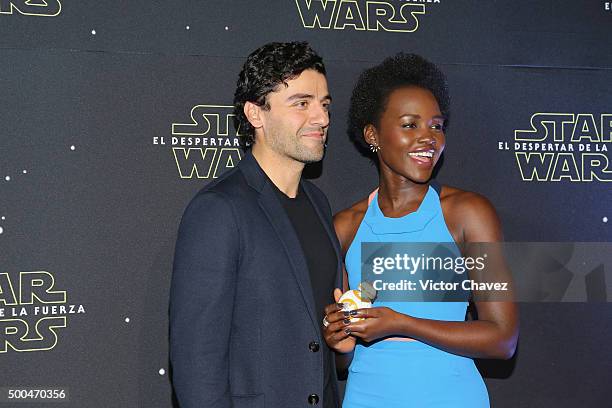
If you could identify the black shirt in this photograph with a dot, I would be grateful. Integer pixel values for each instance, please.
(322, 266)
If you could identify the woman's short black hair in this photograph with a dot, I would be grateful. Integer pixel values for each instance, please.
(371, 93)
(265, 68)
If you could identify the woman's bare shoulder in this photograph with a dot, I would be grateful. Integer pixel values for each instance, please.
(468, 213)
(346, 222)
(463, 200)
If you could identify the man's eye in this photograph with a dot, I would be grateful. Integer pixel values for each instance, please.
(301, 104)
(326, 106)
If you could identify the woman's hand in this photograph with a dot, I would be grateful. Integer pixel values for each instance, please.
(337, 333)
(378, 322)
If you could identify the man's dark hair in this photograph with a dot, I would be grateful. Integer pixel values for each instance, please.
(264, 70)
(371, 93)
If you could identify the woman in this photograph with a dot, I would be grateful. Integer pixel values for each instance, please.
(413, 354)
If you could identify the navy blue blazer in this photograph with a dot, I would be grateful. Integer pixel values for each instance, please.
(242, 312)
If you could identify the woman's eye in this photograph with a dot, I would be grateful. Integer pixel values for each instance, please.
(409, 125)
(438, 126)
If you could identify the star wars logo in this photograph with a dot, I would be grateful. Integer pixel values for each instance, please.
(368, 15)
(564, 146)
(32, 311)
(41, 8)
(207, 146)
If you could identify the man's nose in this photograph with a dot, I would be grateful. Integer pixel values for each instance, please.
(319, 115)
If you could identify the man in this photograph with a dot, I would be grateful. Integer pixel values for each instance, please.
(256, 257)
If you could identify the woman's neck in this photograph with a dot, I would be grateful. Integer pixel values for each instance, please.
(398, 195)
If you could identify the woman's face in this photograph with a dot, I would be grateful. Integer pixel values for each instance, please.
(410, 134)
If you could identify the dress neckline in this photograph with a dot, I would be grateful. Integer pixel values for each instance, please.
(414, 221)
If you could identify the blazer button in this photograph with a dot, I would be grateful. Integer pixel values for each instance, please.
(313, 346)
(313, 399)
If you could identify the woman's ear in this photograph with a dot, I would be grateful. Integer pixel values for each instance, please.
(370, 135)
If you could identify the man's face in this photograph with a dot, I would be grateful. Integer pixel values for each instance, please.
(296, 124)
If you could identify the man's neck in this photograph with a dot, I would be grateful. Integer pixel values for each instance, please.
(284, 172)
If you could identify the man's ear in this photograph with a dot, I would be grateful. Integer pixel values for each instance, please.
(253, 114)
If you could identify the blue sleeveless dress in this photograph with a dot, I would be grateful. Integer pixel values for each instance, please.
(394, 374)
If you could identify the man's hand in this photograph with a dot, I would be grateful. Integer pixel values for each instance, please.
(337, 333)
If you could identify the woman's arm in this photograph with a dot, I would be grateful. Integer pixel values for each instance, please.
(493, 335)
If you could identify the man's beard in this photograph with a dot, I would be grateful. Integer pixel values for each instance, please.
(308, 155)
(292, 148)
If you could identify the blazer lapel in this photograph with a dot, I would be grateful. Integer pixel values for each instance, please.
(286, 233)
(277, 216)
(331, 233)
